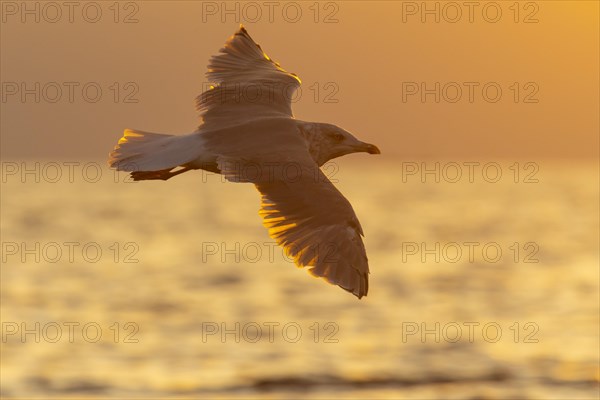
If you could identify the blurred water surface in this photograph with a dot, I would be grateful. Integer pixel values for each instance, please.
(205, 264)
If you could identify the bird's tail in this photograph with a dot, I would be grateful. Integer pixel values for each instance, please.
(152, 155)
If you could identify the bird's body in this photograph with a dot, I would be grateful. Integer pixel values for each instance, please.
(248, 134)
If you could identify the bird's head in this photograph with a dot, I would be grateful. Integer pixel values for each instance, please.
(327, 141)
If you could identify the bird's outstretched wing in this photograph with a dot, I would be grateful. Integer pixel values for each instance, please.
(309, 218)
(317, 226)
(247, 85)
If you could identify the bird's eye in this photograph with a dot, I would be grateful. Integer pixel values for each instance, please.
(338, 137)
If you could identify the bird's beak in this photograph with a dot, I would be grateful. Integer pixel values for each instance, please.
(369, 148)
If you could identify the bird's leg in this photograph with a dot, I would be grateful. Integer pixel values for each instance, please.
(157, 175)
(175, 173)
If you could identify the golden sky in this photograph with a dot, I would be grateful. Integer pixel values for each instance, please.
(374, 68)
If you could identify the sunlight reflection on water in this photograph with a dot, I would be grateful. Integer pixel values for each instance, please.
(216, 310)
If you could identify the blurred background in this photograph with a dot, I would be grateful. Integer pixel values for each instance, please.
(481, 216)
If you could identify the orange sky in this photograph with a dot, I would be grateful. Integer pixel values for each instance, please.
(372, 58)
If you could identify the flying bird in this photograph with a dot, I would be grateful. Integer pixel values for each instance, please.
(249, 134)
